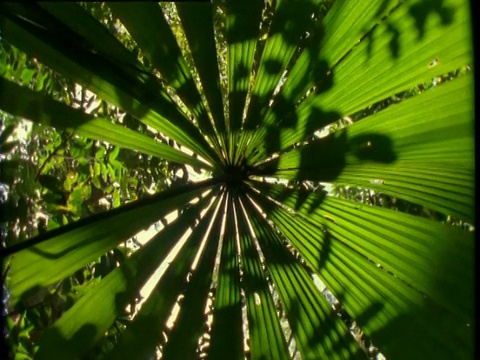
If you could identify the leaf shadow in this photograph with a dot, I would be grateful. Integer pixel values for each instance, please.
(53, 341)
(324, 159)
(420, 12)
(296, 310)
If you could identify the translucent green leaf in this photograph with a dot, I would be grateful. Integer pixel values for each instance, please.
(265, 331)
(385, 306)
(415, 43)
(62, 251)
(291, 22)
(113, 294)
(43, 109)
(226, 334)
(242, 31)
(113, 155)
(151, 319)
(257, 273)
(148, 27)
(189, 325)
(334, 36)
(116, 80)
(198, 25)
(419, 150)
(318, 332)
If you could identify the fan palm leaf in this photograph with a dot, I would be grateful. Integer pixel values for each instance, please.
(252, 243)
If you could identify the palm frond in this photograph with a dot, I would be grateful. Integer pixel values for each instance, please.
(255, 254)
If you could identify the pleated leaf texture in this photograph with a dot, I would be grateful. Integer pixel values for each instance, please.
(255, 238)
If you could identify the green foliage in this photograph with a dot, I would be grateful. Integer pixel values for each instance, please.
(332, 218)
(55, 177)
